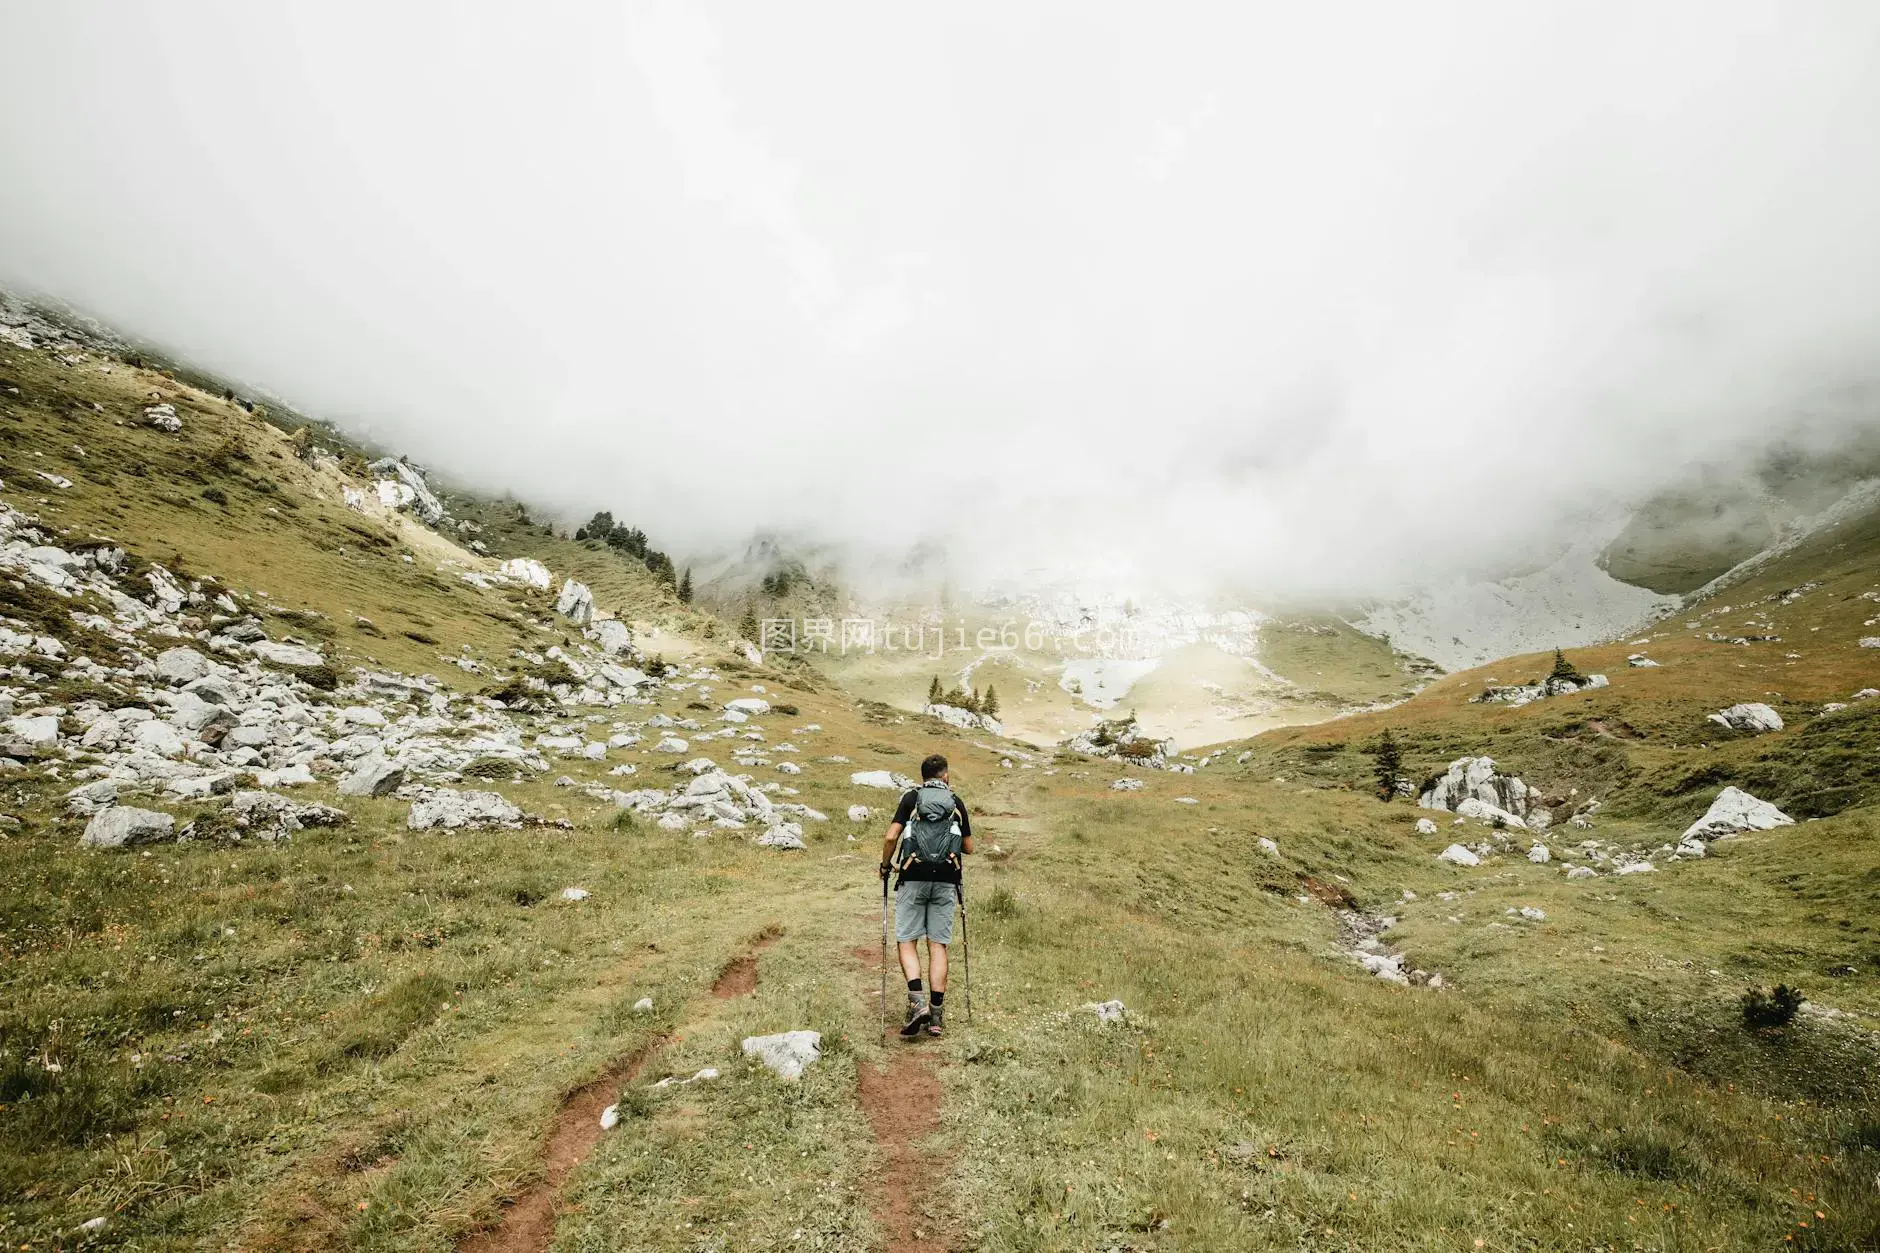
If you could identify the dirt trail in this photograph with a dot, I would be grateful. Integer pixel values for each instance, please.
(528, 1224)
(902, 1102)
(740, 977)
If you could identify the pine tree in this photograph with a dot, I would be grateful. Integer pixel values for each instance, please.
(747, 625)
(1564, 669)
(1389, 762)
(990, 705)
(685, 587)
(935, 693)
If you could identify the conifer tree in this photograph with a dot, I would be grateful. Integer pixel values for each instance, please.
(935, 693)
(747, 625)
(989, 705)
(1564, 669)
(1388, 758)
(685, 587)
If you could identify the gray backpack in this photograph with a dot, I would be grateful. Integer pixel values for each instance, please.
(932, 836)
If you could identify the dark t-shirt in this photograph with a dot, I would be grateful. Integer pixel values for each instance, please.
(905, 811)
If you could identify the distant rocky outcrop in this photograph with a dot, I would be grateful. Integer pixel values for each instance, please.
(964, 719)
(1474, 779)
(407, 490)
(1123, 740)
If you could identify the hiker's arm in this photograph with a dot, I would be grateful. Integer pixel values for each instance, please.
(887, 845)
(966, 831)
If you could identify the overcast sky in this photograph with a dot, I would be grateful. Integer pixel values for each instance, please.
(1301, 295)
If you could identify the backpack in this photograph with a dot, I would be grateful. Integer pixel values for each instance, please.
(932, 835)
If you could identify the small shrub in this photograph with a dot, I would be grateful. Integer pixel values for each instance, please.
(788, 711)
(1763, 1010)
(489, 768)
(1001, 904)
(420, 637)
(215, 496)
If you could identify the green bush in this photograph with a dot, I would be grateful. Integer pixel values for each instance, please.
(1775, 1008)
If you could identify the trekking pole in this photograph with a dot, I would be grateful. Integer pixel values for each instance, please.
(884, 957)
(966, 953)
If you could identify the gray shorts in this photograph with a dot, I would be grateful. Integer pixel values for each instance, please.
(923, 907)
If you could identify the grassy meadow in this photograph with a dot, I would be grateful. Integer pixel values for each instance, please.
(360, 1039)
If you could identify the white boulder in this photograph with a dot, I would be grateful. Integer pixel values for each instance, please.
(881, 779)
(576, 603)
(40, 730)
(1539, 855)
(527, 570)
(1475, 778)
(285, 654)
(1108, 1011)
(453, 810)
(1735, 810)
(1753, 717)
(1426, 826)
(121, 826)
(858, 813)
(788, 1053)
(163, 418)
(375, 776)
(1481, 810)
(181, 665)
(1457, 855)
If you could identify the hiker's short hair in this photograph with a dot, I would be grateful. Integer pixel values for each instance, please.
(933, 767)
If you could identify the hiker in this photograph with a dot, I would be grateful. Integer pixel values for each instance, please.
(923, 846)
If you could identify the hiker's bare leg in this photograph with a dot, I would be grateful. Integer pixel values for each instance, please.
(910, 959)
(937, 966)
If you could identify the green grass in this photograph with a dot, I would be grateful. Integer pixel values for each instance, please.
(359, 1039)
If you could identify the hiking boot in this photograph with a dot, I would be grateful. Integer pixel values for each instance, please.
(918, 1015)
(933, 1020)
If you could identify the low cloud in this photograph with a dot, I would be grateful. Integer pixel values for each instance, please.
(1300, 303)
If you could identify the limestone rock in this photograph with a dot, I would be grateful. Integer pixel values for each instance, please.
(453, 810)
(1752, 717)
(527, 570)
(881, 779)
(1458, 855)
(178, 666)
(39, 731)
(1108, 1011)
(1735, 810)
(787, 1054)
(785, 835)
(750, 706)
(576, 603)
(163, 418)
(1426, 827)
(1539, 855)
(121, 826)
(1476, 777)
(858, 813)
(613, 636)
(294, 655)
(375, 776)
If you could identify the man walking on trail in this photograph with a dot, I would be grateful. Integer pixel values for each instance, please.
(924, 844)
